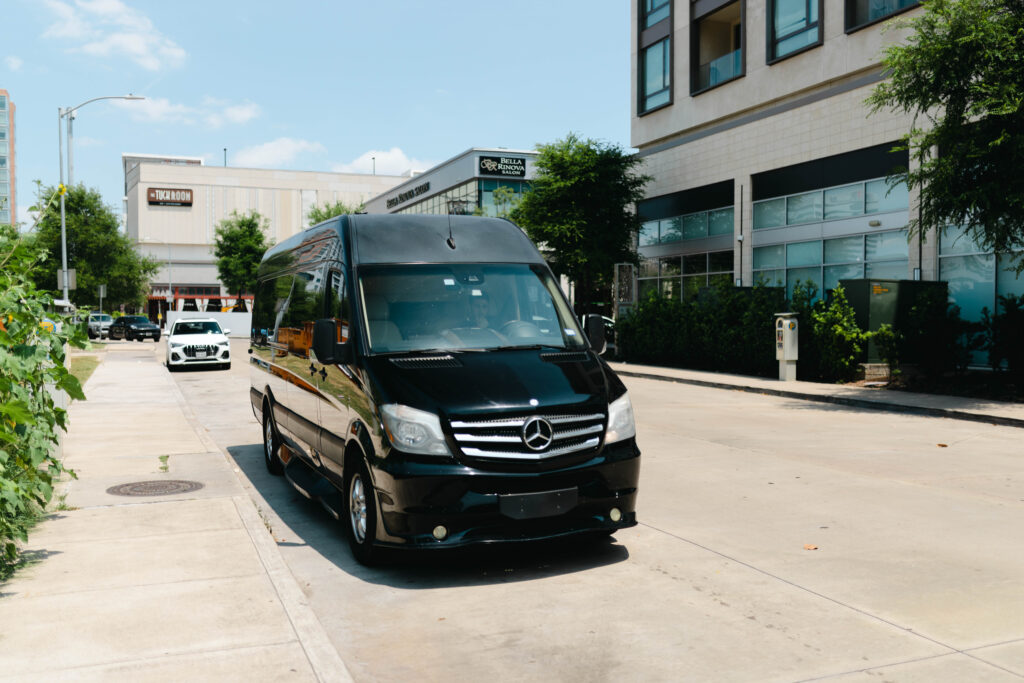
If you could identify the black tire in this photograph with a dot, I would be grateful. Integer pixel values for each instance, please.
(225, 366)
(156, 338)
(271, 443)
(172, 368)
(361, 512)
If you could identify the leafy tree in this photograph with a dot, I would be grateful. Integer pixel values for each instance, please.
(961, 74)
(580, 208)
(239, 245)
(31, 356)
(96, 248)
(318, 214)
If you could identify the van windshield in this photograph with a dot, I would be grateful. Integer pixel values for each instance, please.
(464, 307)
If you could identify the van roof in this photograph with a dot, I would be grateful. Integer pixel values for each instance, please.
(423, 238)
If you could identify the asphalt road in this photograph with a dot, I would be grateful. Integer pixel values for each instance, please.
(779, 540)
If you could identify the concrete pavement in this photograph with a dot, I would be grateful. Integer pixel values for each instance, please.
(179, 586)
(192, 584)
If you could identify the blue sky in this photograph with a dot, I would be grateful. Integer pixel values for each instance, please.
(308, 85)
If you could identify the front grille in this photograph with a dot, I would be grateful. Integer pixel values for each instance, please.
(421, 362)
(565, 357)
(190, 351)
(501, 438)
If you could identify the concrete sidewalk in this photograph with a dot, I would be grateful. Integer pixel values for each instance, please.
(178, 586)
(935, 405)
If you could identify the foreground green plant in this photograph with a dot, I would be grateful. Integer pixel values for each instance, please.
(31, 358)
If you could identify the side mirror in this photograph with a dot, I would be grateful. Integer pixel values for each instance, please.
(594, 327)
(226, 331)
(326, 347)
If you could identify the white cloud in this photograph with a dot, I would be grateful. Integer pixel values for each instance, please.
(219, 112)
(109, 28)
(390, 162)
(212, 112)
(278, 153)
(13, 63)
(158, 109)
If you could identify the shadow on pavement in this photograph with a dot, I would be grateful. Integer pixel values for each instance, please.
(470, 566)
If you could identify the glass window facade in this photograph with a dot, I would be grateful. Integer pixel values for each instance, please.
(655, 11)
(863, 12)
(691, 226)
(656, 75)
(794, 26)
(683, 276)
(473, 197)
(847, 201)
(717, 40)
(824, 263)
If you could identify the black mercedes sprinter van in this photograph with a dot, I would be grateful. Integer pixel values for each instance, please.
(424, 378)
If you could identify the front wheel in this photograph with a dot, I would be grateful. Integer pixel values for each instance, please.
(362, 513)
(271, 443)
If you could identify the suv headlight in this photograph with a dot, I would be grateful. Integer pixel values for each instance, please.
(413, 431)
(176, 345)
(620, 420)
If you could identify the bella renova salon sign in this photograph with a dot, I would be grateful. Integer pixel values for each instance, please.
(169, 197)
(508, 167)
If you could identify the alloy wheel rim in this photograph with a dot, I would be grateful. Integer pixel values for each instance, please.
(268, 440)
(357, 508)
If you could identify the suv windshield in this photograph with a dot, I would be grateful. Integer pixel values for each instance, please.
(100, 318)
(131, 319)
(464, 306)
(196, 327)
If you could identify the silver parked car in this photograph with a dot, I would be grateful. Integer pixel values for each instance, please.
(99, 325)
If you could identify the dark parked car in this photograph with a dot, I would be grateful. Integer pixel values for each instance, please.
(135, 327)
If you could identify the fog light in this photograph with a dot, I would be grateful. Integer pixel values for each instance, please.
(615, 514)
(440, 533)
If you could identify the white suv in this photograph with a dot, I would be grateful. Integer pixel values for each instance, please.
(197, 341)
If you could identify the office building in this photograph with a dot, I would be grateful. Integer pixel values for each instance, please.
(464, 184)
(8, 205)
(173, 206)
(767, 164)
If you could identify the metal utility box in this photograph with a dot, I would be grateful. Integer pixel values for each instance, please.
(877, 302)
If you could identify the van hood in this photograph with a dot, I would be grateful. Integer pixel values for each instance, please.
(474, 383)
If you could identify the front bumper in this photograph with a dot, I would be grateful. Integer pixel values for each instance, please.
(178, 357)
(478, 506)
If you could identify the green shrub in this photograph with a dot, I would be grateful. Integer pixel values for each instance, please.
(724, 329)
(888, 341)
(1005, 343)
(31, 356)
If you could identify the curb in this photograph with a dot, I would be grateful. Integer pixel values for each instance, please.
(837, 400)
(323, 657)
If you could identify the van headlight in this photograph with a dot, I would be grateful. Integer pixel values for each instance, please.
(620, 420)
(413, 431)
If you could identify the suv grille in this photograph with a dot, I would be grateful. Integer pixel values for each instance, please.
(529, 438)
(190, 351)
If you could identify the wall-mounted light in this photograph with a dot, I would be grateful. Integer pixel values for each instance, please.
(874, 223)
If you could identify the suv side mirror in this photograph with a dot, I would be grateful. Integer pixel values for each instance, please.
(326, 347)
(594, 327)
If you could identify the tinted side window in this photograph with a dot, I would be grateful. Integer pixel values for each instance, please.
(304, 305)
(338, 306)
(270, 303)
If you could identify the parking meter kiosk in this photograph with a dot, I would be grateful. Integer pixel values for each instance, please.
(786, 351)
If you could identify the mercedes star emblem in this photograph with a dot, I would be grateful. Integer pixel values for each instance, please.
(538, 433)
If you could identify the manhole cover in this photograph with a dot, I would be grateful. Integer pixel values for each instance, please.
(163, 487)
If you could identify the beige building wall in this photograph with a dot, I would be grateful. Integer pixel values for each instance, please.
(184, 235)
(841, 57)
(804, 107)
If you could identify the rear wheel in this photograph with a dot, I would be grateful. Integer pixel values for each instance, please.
(362, 512)
(271, 443)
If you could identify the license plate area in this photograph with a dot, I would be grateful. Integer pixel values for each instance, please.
(540, 504)
(200, 354)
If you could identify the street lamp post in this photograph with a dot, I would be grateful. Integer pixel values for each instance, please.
(69, 113)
